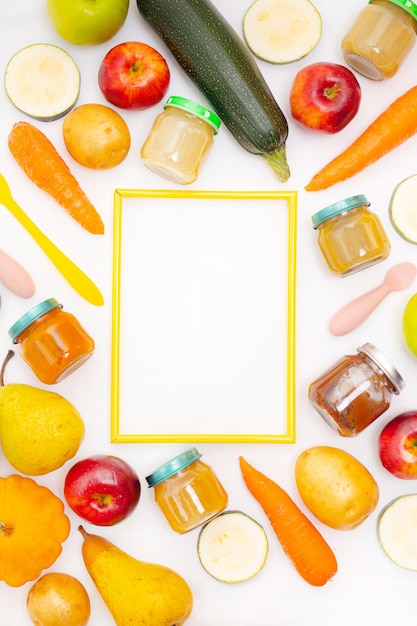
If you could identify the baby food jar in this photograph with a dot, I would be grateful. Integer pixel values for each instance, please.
(52, 342)
(356, 390)
(381, 38)
(180, 139)
(187, 491)
(350, 236)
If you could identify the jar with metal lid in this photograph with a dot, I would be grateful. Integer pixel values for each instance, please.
(187, 491)
(52, 342)
(356, 390)
(381, 38)
(180, 139)
(350, 236)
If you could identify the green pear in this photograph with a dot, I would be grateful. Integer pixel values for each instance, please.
(39, 429)
(135, 592)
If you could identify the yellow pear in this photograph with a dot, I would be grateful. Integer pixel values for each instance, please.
(39, 429)
(135, 592)
(57, 598)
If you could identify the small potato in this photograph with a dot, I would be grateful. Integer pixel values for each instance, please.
(335, 486)
(96, 136)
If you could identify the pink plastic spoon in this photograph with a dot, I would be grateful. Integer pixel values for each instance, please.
(350, 316)
(15, 277)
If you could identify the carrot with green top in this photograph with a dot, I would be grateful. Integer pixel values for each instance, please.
(301, 541)
(390, 129)
(38, 158)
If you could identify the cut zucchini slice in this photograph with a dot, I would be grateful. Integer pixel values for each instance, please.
(42, 81)
(397, 529)
(232, 547)
(403, 209)
(282, 31)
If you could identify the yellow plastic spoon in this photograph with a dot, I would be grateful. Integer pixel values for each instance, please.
(71, 272)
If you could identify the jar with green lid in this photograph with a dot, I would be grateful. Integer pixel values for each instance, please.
(381, 38)
(180, 139)
(350, 236)
(187, 491)
(52, 342)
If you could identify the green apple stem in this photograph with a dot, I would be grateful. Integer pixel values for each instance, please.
(9, 355)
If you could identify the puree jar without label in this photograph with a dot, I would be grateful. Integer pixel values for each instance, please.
(187, 491)
(381, 38)
(52, 342)
(350, 236)
(356, 390)
(179, 140)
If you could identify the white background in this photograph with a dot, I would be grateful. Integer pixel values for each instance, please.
(368, 588)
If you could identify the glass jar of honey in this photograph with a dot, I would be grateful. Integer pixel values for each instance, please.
(381, 38)
(187, 491)
(356, 390)
(52, 341)
(350, 236)
(180, 139)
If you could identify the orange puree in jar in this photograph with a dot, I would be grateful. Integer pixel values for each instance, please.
(52, 342)
(187, 491)
(381, 38)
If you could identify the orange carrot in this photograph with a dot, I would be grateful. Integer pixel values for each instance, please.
(301, 541)
(40, 161)
(390, 129)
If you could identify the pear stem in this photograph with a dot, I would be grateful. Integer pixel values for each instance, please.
(83, 532)
(3, 367)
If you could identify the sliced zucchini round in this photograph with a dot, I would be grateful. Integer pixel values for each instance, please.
(397, 530)
(42, 81)
(232, 547)
(282, 31)
(403, 209)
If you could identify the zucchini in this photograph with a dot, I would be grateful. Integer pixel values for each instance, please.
(42, 81)
(397, 531)
(232, 547)
(216, 59)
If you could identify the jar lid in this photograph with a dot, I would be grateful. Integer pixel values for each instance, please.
(408, 5)
(172, 467)
(28, 318)
(385, 365)
(196, 109)
(339, 207)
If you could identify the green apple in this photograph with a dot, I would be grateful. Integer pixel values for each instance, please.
(409, 324)
(87, 21)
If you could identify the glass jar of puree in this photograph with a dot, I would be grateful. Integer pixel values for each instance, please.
(356, 390)
(381, 38)
(187, 491)
(350, 236)
(180, 139)
(52, 342)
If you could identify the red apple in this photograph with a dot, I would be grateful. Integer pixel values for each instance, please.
(398, 445)
(133, 75)
(102, 489)
(325, 97)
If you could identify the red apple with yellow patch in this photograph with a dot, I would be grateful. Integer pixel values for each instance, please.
(397, 445)
(133, 75)
(325, 97)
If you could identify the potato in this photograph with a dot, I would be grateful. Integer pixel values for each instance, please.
(335, 486)
(96, 136)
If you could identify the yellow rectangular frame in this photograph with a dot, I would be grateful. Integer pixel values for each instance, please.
(289, 436)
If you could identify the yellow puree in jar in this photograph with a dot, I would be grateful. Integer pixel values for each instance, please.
(380, 38)
(351, 239)
(190, 497)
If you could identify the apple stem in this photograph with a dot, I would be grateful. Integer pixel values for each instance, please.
(9, 355)
(278, 161)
